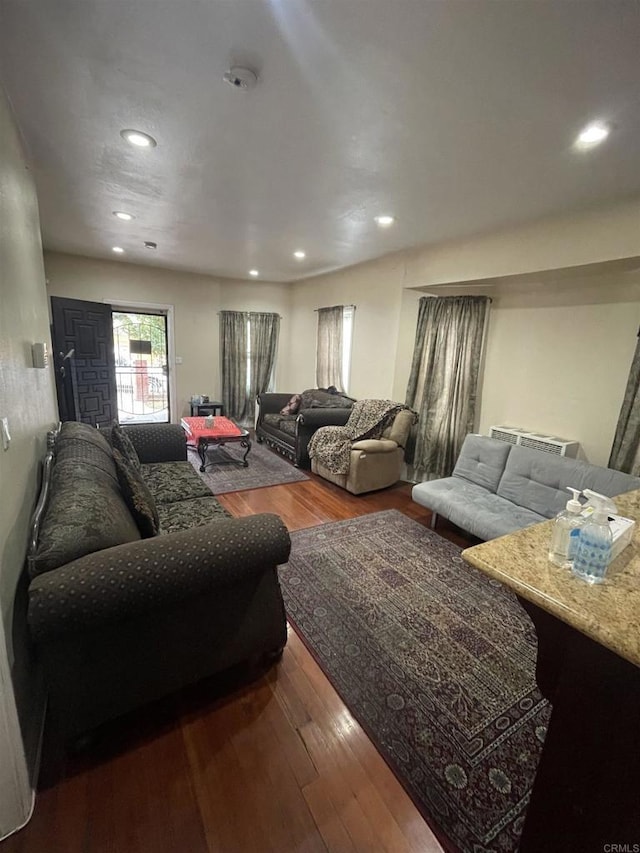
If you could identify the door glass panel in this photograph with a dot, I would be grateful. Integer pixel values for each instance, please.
(140, 344)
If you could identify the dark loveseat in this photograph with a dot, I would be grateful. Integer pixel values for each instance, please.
(120, 620)
(290, 434)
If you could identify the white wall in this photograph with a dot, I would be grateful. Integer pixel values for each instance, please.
(197, 299)
(27, 400)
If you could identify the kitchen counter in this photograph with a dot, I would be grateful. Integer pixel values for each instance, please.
(609, 612)
(587, 786)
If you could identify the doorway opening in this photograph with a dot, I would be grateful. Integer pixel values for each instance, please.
(142, 375)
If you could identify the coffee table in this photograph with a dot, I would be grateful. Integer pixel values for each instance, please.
(223, 431)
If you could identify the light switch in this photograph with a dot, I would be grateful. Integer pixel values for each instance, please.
(178, 359)
(6, 435)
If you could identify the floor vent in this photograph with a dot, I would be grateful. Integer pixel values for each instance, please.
(535, 440)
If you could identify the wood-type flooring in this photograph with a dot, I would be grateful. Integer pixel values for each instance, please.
(278, 764)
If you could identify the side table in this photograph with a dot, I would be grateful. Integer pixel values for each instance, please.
(213, 407)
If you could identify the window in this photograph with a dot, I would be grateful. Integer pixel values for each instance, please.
(333, 353)
(249, 342)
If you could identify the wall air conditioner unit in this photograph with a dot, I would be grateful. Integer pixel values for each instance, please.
(536, 440)
(505, 433)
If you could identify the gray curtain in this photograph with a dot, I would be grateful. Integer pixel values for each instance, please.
(625, 453)
(264, 332)
(233, 360)
(329, 347)
(443, 382)
(242, 334)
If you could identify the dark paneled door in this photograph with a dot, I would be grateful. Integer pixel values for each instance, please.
(84, 361)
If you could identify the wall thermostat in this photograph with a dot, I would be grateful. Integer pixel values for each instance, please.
(40, 355)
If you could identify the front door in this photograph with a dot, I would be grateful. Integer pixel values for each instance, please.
(142, 377)
(84, 361)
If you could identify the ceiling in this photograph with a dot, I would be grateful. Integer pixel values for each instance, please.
(457, 117)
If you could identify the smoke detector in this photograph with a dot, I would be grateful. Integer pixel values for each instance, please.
(241, 78)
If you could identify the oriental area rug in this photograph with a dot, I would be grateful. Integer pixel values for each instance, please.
(227, 473)
(435, 660)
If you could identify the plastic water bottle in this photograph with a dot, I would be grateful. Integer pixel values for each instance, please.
(594, 546)
(566, 532)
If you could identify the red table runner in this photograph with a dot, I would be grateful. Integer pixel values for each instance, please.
(222, 428)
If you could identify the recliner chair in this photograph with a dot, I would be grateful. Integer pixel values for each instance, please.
(375, 463)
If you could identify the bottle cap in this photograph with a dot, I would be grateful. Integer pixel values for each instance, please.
(574, 505)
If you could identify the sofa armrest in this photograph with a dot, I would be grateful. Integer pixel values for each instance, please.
(270, 403)
(158, 442)
(322, 416)
(374, 445)
(122, 582)
(308, 421)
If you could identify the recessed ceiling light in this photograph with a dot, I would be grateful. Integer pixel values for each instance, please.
(254, 273)
(126, 217)
(138, 138)
(593, 134)
(299, 254)
(118, 250)
(384, 221)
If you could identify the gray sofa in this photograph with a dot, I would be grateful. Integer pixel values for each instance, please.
(497, 488)
(290, 434)
(119, 620)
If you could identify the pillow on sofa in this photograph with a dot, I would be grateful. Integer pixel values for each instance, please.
(86, 512)
(319, 398)
(137, 496)
(292, 406)
(121, 441)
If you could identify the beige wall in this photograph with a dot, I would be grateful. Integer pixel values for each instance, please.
(557, 359)
(27, 400)
(196, 300)
(544, 326)
(605, 234)
(559, 342)
(375, 289)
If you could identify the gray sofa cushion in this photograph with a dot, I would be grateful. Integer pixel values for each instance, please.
(473, 508)
(538, 481)
(482, 461)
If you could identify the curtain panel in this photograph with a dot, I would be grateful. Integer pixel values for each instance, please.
(443, 382)
(249, 345)
(264, 332)
(625, 453)
(233, 363)
(329, 347)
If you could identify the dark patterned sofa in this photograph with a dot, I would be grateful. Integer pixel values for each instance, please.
(290, 433)
(118, 619)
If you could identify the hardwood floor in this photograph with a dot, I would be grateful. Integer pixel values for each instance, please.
(276, 765)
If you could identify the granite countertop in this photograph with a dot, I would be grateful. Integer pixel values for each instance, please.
(609, 612)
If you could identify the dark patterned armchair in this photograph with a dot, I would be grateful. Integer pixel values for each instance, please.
(119, 620)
